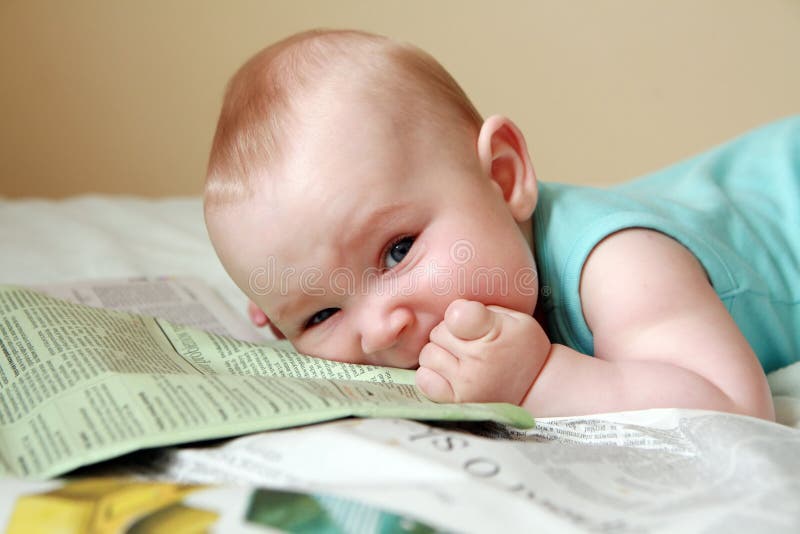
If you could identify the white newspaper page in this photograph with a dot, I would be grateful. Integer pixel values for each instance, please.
(648, 471)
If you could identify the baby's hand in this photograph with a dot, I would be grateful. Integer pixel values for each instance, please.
(482, 354)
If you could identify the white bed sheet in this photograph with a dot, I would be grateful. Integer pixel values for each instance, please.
(88, 237)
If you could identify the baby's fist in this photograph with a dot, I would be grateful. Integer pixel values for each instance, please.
(482, 353)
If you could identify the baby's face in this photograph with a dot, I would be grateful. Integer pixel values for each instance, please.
(356, 244)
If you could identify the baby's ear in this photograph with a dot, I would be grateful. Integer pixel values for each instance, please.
(504, 158)
(259, 318)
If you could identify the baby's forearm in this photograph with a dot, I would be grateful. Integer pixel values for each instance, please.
(571, 383)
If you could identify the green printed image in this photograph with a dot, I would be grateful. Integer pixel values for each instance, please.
(323, 514)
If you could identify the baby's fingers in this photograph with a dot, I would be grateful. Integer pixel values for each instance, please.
(436, 365)
(434, 386)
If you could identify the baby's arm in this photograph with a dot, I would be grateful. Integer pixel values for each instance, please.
(662, 338)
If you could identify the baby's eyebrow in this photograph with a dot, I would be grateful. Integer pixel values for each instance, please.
(366, 226)
(283, 312)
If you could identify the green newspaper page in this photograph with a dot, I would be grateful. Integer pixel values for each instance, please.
(80, 385)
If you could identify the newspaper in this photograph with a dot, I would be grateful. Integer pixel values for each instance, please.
(180, 300)
(80, 384)
(646, 471)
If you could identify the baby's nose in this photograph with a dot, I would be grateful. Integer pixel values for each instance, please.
(382, 332)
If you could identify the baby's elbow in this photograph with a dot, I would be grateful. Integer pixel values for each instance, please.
(763, 409)
(756, 403)
(744, 387)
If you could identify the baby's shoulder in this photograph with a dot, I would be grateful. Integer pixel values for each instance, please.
(639, 277)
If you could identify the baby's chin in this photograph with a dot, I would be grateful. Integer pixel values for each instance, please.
(406, 362)
(406, 357)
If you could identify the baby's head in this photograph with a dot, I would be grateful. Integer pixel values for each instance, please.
(353, 192)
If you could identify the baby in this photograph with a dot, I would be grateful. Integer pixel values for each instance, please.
(373, 216)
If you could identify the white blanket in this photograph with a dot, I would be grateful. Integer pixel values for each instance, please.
(89, 237)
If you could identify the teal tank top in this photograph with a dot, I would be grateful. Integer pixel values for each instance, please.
(736, 208)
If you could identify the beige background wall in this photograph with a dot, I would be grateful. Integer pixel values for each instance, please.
(113, 96)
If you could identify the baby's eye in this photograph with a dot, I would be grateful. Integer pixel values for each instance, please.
(320, 317)
(397, 251)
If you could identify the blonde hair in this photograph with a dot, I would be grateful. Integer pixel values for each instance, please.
(262, 98)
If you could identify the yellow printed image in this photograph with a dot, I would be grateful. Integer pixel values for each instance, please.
(108, 506)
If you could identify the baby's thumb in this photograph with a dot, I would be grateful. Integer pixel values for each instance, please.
(468, 319)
